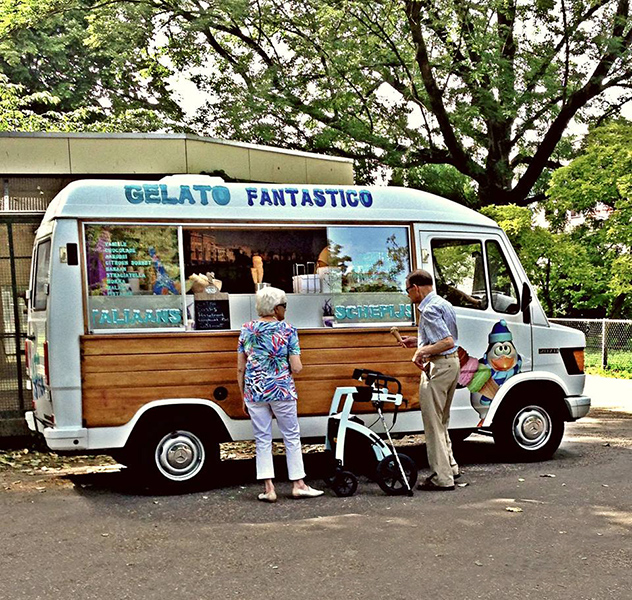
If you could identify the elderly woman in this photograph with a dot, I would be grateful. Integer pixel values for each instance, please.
(268, 355)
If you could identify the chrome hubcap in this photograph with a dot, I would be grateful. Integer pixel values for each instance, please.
(180, 455)
(532, 427)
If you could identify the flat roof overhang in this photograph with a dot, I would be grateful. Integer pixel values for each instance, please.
(80, 154)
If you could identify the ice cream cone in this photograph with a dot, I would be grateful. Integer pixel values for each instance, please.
(483, 373)
(489, 388)
(468, 369)
(395, 333)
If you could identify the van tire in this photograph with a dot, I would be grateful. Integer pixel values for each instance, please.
(528, 430)
(181, 455)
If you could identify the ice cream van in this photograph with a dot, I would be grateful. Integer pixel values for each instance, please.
(139, 289)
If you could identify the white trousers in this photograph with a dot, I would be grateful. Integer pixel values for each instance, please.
(261, 415)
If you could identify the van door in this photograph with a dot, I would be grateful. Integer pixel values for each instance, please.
(37, 354)
(473, 272)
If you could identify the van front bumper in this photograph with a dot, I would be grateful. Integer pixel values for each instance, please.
(578, 406)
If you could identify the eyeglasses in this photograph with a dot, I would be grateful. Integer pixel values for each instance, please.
(283, 304)
(410, 287)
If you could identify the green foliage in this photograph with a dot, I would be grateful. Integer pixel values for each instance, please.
(471, 100)
(599, 175)
(465, 86)
(16, 114)
(78, 65)
(442, 180)
(619, 364)
(595, 186)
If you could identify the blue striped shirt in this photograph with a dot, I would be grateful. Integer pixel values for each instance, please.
(437, 321)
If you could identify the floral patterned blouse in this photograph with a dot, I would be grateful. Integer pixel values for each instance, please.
(268, 346)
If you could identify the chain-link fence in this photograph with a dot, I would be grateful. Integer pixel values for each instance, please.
(608, 342)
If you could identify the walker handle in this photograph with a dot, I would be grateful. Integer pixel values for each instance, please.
(376, 379)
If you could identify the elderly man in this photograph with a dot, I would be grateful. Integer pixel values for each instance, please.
(437, 358)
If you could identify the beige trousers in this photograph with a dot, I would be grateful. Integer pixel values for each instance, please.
(436, 391)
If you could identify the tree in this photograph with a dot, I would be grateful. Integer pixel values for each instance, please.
(597, 187)
(488, 87)
(564, 268)
(62, 75)
(581, 262)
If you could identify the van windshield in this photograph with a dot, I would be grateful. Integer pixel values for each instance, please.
(42, 264)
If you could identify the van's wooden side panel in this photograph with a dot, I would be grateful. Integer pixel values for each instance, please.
(121, 373)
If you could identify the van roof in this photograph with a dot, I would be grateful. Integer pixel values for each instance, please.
(200, 197)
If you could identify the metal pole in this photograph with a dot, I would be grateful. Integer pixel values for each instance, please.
(604, 355)
(5, 196)
(16, 317)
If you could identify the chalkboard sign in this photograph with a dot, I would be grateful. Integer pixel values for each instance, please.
(212, 314)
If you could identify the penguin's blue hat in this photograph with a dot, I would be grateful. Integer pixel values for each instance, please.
(500, 333)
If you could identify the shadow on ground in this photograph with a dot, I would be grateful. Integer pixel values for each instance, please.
(478, 453)
(318, 465)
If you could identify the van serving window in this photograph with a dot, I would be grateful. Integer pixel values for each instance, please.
(341, 274)
(133, 277)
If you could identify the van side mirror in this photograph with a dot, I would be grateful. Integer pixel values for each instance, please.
(525, 303)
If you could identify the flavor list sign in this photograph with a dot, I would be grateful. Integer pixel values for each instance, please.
(133, 277)
(124, 261)
(120, 268)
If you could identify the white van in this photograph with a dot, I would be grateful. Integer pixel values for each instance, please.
(125, 358)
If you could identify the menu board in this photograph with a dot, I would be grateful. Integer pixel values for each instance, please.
(133, 277)
(212, 314)
(121, 268)
(125, 261)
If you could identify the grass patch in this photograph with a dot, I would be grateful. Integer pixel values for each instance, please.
(619, 364)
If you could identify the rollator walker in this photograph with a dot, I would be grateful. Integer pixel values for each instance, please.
(395, 473)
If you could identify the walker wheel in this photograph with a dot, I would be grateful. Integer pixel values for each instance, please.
(389, 477)
(344, 484)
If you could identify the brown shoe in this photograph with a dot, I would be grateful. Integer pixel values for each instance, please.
(429, 486)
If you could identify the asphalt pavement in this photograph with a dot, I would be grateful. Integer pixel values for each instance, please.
(559, 530)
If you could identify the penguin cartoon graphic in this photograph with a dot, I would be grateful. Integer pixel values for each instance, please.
(483, 377)
(501, 356)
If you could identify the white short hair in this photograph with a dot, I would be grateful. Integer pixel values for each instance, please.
(267, 299)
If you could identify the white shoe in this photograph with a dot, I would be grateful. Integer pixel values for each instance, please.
(267, 497)
(308, 492)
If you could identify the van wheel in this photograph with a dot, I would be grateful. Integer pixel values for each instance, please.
(528, 430)
(180, 456)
